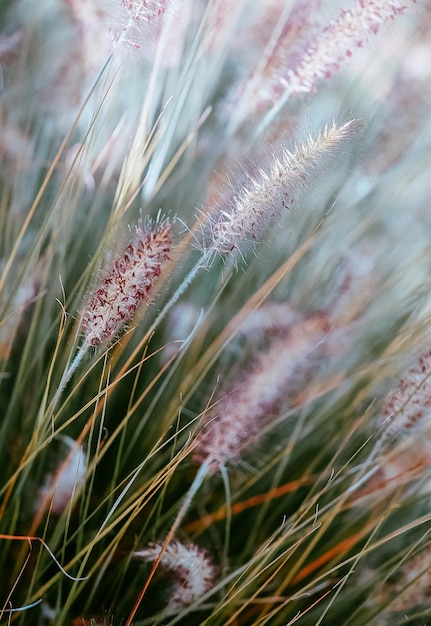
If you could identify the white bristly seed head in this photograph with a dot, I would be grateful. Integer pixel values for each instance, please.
(191, 567)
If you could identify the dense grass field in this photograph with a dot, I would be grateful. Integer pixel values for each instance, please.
(215, 268)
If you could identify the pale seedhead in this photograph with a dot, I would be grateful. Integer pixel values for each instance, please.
(330, 48)
(191, 569)
(410, 403)
(61, 485)
(238, 418)
(267, 196)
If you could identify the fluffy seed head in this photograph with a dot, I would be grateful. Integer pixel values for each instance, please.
(191, 567)
(271, 319)
(279, 374)
(142, 10)
(410, 402)
(267, 197)
(411, 589)
(329, 49)
(139, 23)
(60, 485)
(127, 285)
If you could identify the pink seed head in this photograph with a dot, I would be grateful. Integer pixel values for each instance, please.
(127, 285)
(278, 376)
(409, 404)
(327, 50)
